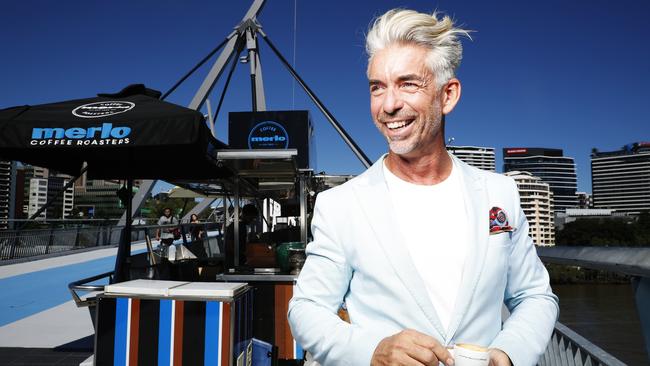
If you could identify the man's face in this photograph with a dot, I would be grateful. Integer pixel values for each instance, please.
(404, 99)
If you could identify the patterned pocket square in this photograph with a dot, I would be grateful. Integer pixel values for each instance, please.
(498, 221)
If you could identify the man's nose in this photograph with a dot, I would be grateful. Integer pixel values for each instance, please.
(392, 101)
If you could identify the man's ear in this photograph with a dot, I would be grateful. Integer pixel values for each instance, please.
(450, 95)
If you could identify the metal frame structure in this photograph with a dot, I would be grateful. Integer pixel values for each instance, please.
(244, 36)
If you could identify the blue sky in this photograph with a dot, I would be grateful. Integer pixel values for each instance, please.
(560, 74)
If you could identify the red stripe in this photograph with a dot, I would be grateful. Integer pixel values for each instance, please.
(283, 337)
(178, 333)
(134, 336)
(225, 335)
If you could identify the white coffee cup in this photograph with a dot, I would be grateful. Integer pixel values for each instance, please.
(465, 354)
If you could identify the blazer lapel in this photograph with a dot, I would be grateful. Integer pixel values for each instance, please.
(476, 207)
(375, 203)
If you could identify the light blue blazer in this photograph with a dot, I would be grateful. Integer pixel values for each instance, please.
(357, 255)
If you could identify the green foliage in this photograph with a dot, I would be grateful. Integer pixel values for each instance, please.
(562, 274)
(606, 232)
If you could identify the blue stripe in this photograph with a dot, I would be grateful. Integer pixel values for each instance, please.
(121, 326)
(30, 293)
(212, 326)
(165, 333)
(300, 354)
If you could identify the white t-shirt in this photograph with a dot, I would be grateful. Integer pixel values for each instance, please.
(164, 220)
(433, 222)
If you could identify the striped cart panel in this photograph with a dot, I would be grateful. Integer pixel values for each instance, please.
(133, 331)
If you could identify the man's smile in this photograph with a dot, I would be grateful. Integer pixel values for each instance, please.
(397, 125)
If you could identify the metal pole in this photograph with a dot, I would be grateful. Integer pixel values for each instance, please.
(303, 210)
(236, 224)
(124, 248)
(196, 67)
(260, 98)
(138, 199)
(76, 237)
(251, 44)
(205, 88)
(337, 126)
(225, 86)
(50, 240)
(215, 72)
(207, 201)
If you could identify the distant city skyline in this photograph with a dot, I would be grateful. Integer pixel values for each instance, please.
(553, 74)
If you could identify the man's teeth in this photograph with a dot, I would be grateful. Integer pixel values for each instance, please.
(397, 124)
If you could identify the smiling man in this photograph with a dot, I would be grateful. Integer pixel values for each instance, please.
(423, 249)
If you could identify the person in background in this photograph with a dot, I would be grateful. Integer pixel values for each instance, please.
(196, 228)
(166, 235)
(248, 216)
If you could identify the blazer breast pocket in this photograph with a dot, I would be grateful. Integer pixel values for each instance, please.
(495, 268)
(500, 239)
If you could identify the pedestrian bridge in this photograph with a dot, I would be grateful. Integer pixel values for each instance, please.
(38, 312)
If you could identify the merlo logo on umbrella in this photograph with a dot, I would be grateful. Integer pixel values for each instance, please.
(102, 109)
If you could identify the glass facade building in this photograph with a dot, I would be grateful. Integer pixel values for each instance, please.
(551, 166)
(476, 156)
(620, 180)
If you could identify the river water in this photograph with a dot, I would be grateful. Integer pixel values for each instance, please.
(606, 315)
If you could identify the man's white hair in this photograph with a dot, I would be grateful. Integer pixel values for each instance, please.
(400, 26)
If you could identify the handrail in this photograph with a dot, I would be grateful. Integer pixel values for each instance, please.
(633, 261)
(82, 285)
(17, 245)
(568, 348)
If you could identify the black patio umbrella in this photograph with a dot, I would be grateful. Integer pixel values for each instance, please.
(128, 135)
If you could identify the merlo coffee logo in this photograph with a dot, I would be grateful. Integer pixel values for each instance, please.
(106, 134)
(102, 109)
(268, 135)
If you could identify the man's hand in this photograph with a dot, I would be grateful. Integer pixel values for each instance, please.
(410, 347)
(499, 358)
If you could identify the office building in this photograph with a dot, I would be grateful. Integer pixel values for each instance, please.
(7, 193)
(41, 190)
(620, 180)
(98, 199)
(480, 157)
(551, 166)
(537, 203)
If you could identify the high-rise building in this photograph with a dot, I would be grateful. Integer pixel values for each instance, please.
(41, 190)
(551, 166)
(98, 199)
(36, 186)
(7, 193)
(620, 180)
(537, 203)
(480, 157)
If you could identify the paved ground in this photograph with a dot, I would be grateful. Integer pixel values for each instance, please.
(39, 322)
(42, 356)
(37, 314)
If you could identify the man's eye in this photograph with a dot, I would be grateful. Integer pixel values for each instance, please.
(410, 86)
(375, 88)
